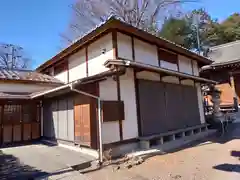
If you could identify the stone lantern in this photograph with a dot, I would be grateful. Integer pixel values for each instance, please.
(217, 114)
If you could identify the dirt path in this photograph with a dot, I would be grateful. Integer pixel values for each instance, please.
(215, 159)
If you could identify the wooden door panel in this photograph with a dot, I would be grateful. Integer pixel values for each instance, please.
(27, 132)
(152, 107)
(82, 120)
(192, 115)
(17, 133)
(35, 130)
(173, 106)
(7, 134)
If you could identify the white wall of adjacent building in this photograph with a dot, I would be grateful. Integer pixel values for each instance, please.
(98, 53)
(128, 96)
(185, 65)
(77, 65)
(145, 53)
(124, 46)
(110, 130)
(63, 76)
(108, 91)
(148, 54)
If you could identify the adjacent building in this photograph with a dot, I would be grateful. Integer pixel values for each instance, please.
(225, 70)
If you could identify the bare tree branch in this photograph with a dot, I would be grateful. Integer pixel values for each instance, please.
(12, 56)
(144, 14)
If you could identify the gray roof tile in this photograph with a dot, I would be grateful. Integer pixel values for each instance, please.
(225, 53)
(27, 75)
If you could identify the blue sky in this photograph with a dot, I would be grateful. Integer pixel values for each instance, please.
(36, 24)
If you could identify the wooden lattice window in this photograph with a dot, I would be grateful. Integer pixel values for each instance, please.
(29, 112)
(12, 113)
(167, 56)
(60, 68)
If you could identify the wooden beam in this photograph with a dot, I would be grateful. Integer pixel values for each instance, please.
(232, 83)
(115, 46)
(119, 99)
(192, 67)
(133, 50)
(137, 102)
(86, 56)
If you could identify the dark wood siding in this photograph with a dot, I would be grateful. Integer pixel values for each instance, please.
(191, 109)
(152, 107)
(173, 106)
(165, 106)
(20, 121)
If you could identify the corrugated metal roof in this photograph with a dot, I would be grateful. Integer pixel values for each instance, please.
(26, 75)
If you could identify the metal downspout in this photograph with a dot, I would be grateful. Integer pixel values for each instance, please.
(99, 120)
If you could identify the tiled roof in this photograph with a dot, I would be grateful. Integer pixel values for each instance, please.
(114, 18)
(225, 53)
(9, 95)
(27, 75)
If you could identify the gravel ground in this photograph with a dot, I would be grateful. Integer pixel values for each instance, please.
(211, 159)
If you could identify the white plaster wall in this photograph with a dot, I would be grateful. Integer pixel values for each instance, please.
(195, 68)
(63, 76)
(170, 79)
(96, 58)
(77, 65)
(124, 46)
(110, 130)
(148, 76)
(21, 88)
(200, 102)
(168, 65)
(187, 82)
(145, 53)
(127, 89)
(185, 64)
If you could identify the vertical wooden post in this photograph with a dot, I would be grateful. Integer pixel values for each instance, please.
(232, 83)
(1, 124)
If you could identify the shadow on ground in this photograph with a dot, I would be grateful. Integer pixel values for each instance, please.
(12, 168)
(228, 167)
(232, 133)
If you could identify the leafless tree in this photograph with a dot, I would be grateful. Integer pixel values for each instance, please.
(144, 14)
(13, 57)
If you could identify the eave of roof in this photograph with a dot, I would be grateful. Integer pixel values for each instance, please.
(132, 64)
(97, 77)
(113, 23)
(221, 65)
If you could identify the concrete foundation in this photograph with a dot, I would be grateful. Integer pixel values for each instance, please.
(170, 145)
